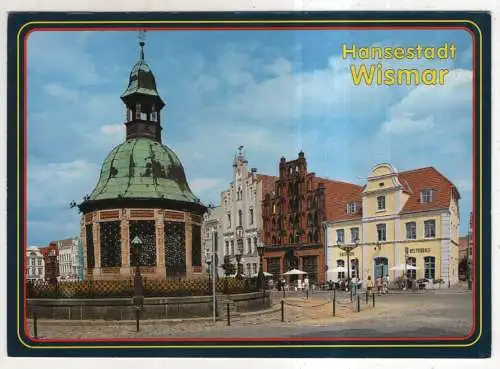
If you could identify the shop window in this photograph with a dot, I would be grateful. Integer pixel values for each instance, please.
(430, 267)
(381, 232)
(340, 236)
(430, 228)
(340, 264)
(355, 268)
(380, 202)
(411, 274)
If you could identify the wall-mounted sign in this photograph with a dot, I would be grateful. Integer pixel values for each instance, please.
(420, 251)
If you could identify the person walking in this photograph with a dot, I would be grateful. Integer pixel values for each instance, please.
(379, 285)
(369, 285)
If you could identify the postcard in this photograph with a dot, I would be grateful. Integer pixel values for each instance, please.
(249, 184)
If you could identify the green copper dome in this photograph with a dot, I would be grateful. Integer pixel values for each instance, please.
(142, 168)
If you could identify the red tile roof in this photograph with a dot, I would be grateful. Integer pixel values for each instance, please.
(339, 194)
(428, 178)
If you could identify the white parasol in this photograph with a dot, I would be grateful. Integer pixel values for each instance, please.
(295, 272)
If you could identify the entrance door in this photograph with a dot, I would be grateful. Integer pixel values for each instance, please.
(381, 267)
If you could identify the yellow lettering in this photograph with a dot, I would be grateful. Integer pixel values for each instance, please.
(408, 73)
(389, 77)
(362, 74)
(432, 73)
(346, 51)
(442, 74)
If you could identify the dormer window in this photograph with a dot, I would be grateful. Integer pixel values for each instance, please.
(426, 196)
(351, 207)
(137, 111)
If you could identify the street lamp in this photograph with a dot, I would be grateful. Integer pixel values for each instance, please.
(53, 263)
(347, 248)
(208, 261)
(260, 251)
(138, 288)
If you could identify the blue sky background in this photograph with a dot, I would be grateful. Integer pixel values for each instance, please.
(275, 92)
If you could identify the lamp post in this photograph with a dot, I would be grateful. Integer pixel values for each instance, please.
(347, 248)
(53, 263)
(208, 261)
(260, 250)
(138, 288)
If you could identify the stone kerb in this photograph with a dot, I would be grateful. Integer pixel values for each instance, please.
(154, 307)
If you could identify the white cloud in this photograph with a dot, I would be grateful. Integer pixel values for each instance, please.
(112, 129)
(279, 66)
(57, 184)
(201, 185)
(59, 91)
(406, 124)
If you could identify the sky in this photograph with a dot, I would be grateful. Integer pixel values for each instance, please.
(274, 92)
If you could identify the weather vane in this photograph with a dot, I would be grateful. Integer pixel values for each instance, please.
(142, 37)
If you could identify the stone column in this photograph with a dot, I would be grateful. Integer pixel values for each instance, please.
(160, 243)
(125, 238)
(96, 230)
(188, 244)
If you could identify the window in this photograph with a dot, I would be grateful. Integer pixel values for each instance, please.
(229, 220)
(227, 248)
(381, 267)
(380, 202)
(351, 207)
(430, 267)
(411, 231)
(354, 268)
(426, 196)
(251, 216)
(340, 264)
(340, 235)
(39, 261)
(411, 274)
(381, 232)
(249, 245)
(355, 234)
(254, 267)
(240, 217)
(254, 244)
(430, 228)
(249, 272)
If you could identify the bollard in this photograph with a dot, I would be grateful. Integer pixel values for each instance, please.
(137, 311)
(333, 303)
(373, 295)
(283, 291)
(359, 298)
(228, 315)
(35, 328)
(282, 310)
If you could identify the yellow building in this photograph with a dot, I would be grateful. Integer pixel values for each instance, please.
(412, 215)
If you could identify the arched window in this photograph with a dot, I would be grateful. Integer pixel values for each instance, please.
(340, 264)
(355, 268)
(251, 216)
(381, 267)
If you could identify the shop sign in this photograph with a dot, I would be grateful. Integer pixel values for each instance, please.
(420, 251)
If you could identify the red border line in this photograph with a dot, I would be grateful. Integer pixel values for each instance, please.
(252, 339)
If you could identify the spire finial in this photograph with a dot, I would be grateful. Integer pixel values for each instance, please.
(142, 37)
